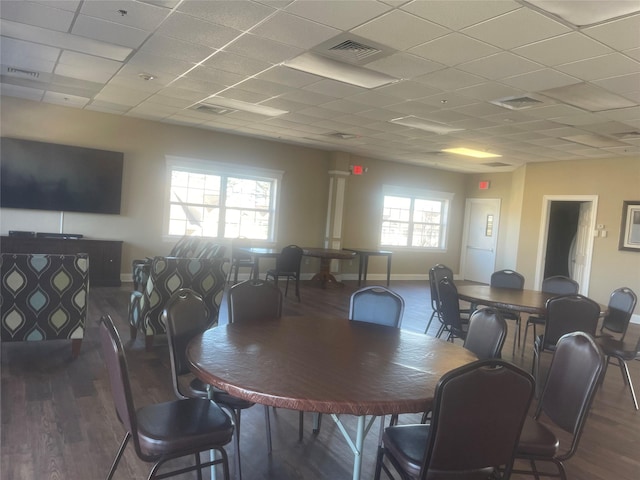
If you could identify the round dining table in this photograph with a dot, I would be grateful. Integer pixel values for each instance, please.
(326, 365)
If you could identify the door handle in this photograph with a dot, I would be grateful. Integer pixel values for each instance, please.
(479, 248)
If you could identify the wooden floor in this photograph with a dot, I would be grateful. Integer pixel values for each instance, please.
(58, 419)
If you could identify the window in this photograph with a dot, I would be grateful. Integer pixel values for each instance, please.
(414, 218)
(219, 200)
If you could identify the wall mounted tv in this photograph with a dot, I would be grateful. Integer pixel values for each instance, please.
(46, 176)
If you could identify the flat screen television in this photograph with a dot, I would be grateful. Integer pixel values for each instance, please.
(46, 176)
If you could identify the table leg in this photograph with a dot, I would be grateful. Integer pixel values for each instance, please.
(365, 258)
(388, 270)
(362, 429)
(360, 259)
(324, 276)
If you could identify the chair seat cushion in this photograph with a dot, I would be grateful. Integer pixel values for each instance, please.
(536, 440)
(407, 444)
(223, 398)
(616, 348)
(176, 426)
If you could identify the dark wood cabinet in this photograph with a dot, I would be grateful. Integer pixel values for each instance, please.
(104, 255)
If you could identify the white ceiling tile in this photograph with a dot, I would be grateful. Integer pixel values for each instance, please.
(400, 30)
(154, 64)
(161, 45)
(194, 30)
(39, 15)
(601, 67)
(129, 78)
(500, 65)
(458, 14)
(344, 15)
(622, 84)
(107, 107)
(170, 101)
(480, 109)
(263, 87)
(554, 111)
(70, 5)
(633, 53)
(27, 55)
(121, 95)
(293, 30)
(373, 99)
(83, 73)
(288, 76)
(19, 91)
(334, 88)
(66, 100)
(540, 80)
(86, 67)
(263, 49)
(108, 31)
(516, 28)
(245, 95)
(450, 99)
(138, 15)
(622, 34)
(450, 79)
(453, 49)
(237, 14)
(408, 90)
(304, 96)
(318, 112)
(236, 63)
(210, 88)
(214, 75)
(345, 106)
(567, 48)
(404, 65)
(489, 91)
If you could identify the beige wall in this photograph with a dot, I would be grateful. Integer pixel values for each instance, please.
(613, 181)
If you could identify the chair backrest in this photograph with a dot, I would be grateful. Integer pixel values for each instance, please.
(574, 374)
(478, 413)
(254, 300)
(114, 359)
(185, 316)
(560, 285)
(570, 313)
(507, 279)
(622, 302)
(44, 296)
(185, 247)
(289, 259)
(486, 333)
(210, 249)
(449, 304)
(437, 273)
(168, 275)
(376, 305)
(237, 244)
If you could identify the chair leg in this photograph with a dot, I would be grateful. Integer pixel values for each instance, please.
(76, 343)
(133, 332)
(148, 343)
(300, 425)
(627, 377)
(114, 465)
(237, 445)
(286, 288)
(298, 287)
(433, 314)
(267, 422)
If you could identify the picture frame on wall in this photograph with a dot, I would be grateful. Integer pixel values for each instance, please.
(630, 226)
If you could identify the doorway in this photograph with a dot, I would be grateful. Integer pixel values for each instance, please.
(566, 241)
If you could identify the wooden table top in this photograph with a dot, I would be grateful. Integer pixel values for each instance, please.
(527, 301)
(368, 251)
(326, 365)
(328, 253)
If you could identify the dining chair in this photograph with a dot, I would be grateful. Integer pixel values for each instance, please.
(575, 372)
(437, 273)
(515, 281)
(288, 266)
(465, 439)
(623, 352)
(622, 303)
(565, 314)
(378, 305)
(240, 258)
(185, 315)
(486, 334)
(452, 321)
(163, 431)
(559, 285)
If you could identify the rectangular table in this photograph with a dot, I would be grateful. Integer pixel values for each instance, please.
(363, 264)
(257, 253)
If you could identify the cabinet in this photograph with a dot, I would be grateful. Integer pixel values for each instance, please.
(104, 255)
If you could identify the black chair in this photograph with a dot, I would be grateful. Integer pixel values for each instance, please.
(287, 265)
(376, 305)
(623, 352)
(558, 285)
(452, 321)
(240, 258)
(478, 413)
(575, 372)
(437, 273)
(486, 334)
(565, 314)
(163, 431)
(185, 316)
(254, 300)
(622, 303)
(514, 280)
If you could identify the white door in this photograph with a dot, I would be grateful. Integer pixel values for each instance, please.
(480, 239)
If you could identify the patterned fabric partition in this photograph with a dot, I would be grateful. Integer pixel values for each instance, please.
(44, 297)
(167, 275)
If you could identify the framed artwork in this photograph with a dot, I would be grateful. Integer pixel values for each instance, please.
(630, 226)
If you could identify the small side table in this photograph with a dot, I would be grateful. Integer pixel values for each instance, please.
(363, 264)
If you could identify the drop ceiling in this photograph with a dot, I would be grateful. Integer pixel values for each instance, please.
(505, 77)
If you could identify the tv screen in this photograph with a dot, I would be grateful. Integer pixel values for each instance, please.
(46, 176)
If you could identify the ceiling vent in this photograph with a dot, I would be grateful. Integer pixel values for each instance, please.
(631, 135)
(516, 103)
(213, 109)
(341, 135)
(496, 164)
(352, 49)
(20, 71)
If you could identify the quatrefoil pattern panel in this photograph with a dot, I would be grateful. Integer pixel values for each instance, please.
(44, 296)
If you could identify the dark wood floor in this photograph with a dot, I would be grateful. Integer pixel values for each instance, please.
(58, 420)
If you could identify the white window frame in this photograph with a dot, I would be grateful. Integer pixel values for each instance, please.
(423, 194)
(225, 170)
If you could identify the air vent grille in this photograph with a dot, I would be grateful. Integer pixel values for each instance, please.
(214, 110)
(20, 71)
(516, 103)
(627, 135)
(341, 135)
(354, 51)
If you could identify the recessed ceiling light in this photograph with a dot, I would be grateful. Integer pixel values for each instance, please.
(244, 106)
(423, 124)
(470, 152)
(340, 71)
(588, 97)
